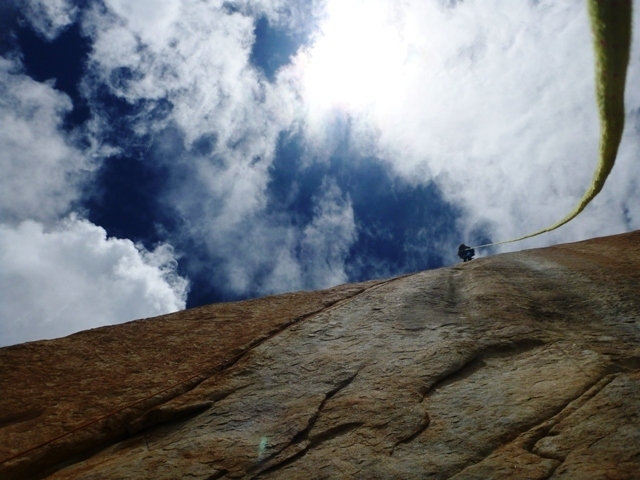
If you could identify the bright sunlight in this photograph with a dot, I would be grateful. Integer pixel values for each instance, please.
(357, 59)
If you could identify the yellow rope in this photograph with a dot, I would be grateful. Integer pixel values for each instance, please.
(611, 27)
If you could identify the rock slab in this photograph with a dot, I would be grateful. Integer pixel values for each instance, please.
(518, 366)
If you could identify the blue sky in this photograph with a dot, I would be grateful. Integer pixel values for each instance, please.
(158, 156)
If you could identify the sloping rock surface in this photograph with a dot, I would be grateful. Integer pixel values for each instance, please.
(518, 366)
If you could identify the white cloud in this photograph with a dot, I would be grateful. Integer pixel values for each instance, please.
(40, 168)
(312, 257)
(57, 278)
(196, 55)
(265, 252)
(146, 18)
(72, 277)
(50, 17)
(326, 241)
(494, 100)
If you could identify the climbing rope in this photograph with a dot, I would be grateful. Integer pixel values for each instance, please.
(611, 28)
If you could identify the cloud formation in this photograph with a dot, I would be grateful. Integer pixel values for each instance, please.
(40, 168)
(219, 137)
(495, 102)
(59, 276)
(50, 17)
(481, 98)
(72, 277)
(272, 181)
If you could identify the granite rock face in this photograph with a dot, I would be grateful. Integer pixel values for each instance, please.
(518, 366)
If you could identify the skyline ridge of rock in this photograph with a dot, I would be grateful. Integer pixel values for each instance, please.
(520, 365)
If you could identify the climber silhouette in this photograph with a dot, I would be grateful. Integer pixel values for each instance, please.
(466, 253)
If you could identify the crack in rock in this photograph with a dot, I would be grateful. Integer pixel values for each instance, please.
(474, 361)
(421, 428)
(495, 369)
(526, 441)
(303, 440)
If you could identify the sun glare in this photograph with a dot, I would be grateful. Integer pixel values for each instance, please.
(357, 59)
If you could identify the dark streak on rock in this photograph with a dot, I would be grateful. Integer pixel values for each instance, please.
(304, 435)
(157, 417)
(21, 417)
(333, 432)
(217, 475)
(475, 361)
(487, 314)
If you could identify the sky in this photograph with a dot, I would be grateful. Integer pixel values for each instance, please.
(157, 156)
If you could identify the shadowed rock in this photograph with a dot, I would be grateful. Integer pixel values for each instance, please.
(523, 365)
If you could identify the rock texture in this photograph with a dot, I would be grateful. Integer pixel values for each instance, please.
(518, 366)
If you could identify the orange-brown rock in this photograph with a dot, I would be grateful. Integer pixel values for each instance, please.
(64, 397)
(518, 366)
